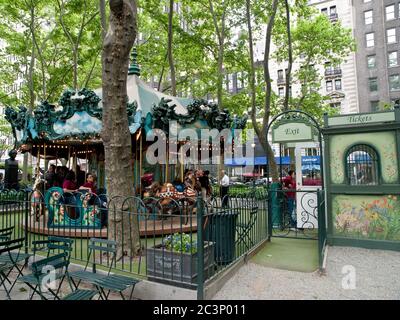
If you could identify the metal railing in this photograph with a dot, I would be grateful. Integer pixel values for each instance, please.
(295, 213)
(184, 242)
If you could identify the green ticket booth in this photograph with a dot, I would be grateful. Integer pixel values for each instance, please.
(362, 179)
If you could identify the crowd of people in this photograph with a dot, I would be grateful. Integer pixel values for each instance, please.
(195, 182)
(69, 180)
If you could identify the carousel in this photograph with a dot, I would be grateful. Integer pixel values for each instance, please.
(67, 134)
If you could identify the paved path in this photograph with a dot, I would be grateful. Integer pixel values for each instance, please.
(377, 276)
(22, 291)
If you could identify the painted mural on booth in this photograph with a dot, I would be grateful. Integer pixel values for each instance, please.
(367, 217)
(383, 142)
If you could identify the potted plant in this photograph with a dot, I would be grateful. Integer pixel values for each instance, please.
(175, 260)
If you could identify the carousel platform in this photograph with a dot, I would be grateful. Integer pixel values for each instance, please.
(148, 228)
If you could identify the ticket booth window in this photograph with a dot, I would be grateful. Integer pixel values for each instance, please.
(362, 165)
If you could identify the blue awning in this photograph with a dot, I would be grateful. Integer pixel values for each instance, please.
(259, 161)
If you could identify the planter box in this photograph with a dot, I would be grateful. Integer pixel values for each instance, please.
(179, 269)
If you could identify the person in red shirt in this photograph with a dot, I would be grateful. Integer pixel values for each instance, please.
(69, 184)
(289, 185)
(89, 184)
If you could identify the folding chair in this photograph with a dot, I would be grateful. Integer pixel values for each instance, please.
(53, 245)
(107, 281)
(81, 295)
(9, 263)
(47, 271)
(244, 228)
(13, 257)
(5, 234)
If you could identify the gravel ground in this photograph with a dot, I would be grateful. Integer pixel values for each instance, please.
(377, 276)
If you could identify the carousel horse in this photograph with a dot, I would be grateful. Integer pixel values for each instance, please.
(37, 201)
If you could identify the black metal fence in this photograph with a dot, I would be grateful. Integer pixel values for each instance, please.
(184, 242)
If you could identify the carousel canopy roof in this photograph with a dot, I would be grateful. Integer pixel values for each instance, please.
(146, 97)
(77, 117)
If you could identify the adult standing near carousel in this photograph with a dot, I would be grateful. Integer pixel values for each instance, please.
(224, 188)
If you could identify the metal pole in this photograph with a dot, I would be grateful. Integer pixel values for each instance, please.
(26, 216)
(181, 150)
(200, 249)
(140, 164)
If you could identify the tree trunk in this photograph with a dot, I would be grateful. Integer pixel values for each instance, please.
(170, 55)
(103, 19)
(221, 42)
(290, 59)
(115, 134)
(288, 76)
(262, 133)
(220, 80)
(31, 104)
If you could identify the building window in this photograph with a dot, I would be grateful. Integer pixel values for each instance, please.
(392, 59)
(324, 11)
(336, 105)
(391, 35)
(243, 79)
(362, 165)
(230, 82)
(332, 10)
(329, 86)
(373, 84)
(389, 10)
(374, 106)
(338, 84)
(370, 39)
(368, 18)
(371, 62)
(281, 91)
(394, 82)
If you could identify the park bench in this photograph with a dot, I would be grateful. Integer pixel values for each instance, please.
(105, 283)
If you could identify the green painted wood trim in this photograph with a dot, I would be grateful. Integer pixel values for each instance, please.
(328, 182)
(373, 190)
(397, 136)
(363, 114)
(364, 243)
(380, 117)
(363, 129)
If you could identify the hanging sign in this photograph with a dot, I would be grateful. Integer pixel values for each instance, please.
(361, 118)
(292, 132)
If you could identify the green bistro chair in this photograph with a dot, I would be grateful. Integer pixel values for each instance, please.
(53, 245)
(9, 262)
(46, 272)
(16, 257)
(103, 282)
(5, 234)
(245, 228)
